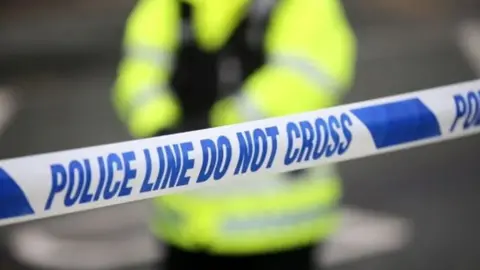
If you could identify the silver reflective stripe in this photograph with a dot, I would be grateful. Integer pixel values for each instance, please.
(249, 110)
(307, 69)
(264, 184)
(320, 173)
(278, 221)
(166, 215)
(142, 97)
(152, 55)
(260, 9)
(255, 184)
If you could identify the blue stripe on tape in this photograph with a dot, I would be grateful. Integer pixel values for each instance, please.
(13, 202)
(399, 122)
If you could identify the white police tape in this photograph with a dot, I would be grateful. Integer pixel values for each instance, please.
(45, 185)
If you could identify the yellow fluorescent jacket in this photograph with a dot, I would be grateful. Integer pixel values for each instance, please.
(310, 51)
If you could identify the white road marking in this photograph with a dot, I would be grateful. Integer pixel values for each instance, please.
(8, 109)
(33, 246)
(365, 234)
(468, 37)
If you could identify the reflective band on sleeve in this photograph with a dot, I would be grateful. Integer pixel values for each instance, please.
(277, 221)
(250, 111)
(307, 69)
(323, 172)
(164, 214)
(155, 56)
(145, 95)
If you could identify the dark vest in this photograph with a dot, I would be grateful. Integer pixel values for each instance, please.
(201, 78)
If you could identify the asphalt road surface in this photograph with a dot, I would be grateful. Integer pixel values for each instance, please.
(65, 104)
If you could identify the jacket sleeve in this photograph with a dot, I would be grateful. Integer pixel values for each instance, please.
(141, 94)
(311, 52)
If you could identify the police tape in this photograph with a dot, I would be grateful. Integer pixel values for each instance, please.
(53, 184)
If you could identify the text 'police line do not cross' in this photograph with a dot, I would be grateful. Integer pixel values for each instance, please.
(93, 177)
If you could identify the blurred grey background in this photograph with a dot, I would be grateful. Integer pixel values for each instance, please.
(60, 57)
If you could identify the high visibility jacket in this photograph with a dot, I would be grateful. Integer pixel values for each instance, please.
(290, 56)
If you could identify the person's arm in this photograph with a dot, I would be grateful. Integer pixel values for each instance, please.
(141, 95)
(311, 53)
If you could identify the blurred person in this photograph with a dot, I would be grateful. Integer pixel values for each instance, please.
(195, 64)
